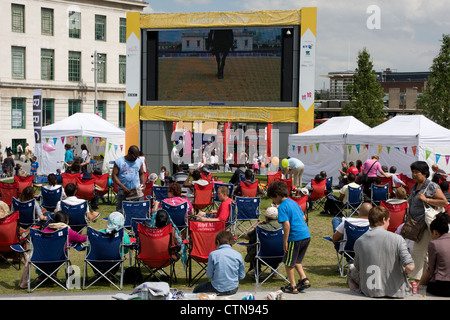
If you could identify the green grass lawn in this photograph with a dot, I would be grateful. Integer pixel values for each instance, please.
(320, 261)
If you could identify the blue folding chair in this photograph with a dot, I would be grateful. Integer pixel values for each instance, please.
(48, 255)
(329, 185)
(378, 194)
(247, 212)
(77, 215)
(135, 209)
(50, 198)
(230, 187)
(177, 213)
(27, 216)
(355, 199)
(160, 193)
(269, 248)
(105, 255)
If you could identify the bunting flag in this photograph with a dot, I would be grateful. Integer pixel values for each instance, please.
(304, 148)
(299, 148)
(406, 149)
(109, 146)
(446, 158)
(102, 142)
(46, 139)
(55, 140)
(70, 139)
(388, 149)
(84, 139)
(438, 156)
(317, 146)
(357, 147)
(62, 139)
(310, 147)
(293, 147)
(366, 146)
(349, 149)
(379, 148)
(90, 139)
(414, 148)
(427, 154)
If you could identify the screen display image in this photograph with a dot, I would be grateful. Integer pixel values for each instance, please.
(242, 64)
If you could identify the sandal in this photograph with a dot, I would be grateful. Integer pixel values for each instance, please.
(289, 289)
(302, 285)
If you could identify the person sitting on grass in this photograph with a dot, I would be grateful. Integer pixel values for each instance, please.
(71, 190)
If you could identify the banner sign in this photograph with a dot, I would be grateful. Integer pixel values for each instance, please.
(37, 115)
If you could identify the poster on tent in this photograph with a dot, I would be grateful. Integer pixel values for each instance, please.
(37, 121)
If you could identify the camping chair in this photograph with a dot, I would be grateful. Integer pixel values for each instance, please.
(135, 209)
(9, 236)
(207, 177)
(48, 255)
(27, 216)
(85, 189)
(248, 189)
(202, 241)
(77, 215)
(288, 183)
(397, 214)
(272, 176)
(378, 194)
(329, 185)
(247, 212)
(409, 182)
(23, 182)
(102, 182)
(230, 187)
(354, 201)
(8, 191)
(345, 253)
(154, 251)
(69, 178)
(148, 190)
(269, 248)
(303, 203)
(177, 213)
(203, 196)
(160, 193)
(104, 255)
(50, 198)
(317, 197)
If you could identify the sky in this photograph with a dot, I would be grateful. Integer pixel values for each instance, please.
(403, 35)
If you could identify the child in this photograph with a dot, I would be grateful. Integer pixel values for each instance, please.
(225, 267)
(27, 195)
(296, 236)
(162, 175)
(17, 168)
(34, 167)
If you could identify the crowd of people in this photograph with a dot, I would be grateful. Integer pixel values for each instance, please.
(383, 262)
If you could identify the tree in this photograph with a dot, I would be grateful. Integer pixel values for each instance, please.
(435, 100)
(365, 94)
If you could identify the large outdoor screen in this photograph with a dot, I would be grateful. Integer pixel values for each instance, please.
(230, 64)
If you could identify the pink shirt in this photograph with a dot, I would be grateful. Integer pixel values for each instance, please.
(376, 167)
(174, 201)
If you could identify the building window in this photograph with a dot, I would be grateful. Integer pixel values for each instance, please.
(17, 18)
(46, 21)
(47, 64)
(123, 30)
(74, 106)
(101, 108)
(18, 113)
(48, 106)
(74, 66)
(122, 69)
(121, 114)
(100, 28)
(101, 68)
(74, 24)
(18, 62)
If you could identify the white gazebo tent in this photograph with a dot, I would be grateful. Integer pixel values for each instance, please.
(404, 139)
(325, 147)
(99, 135)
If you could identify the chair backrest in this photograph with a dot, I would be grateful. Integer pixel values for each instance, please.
(318, 189)
(288, 183)
(352, 233)
(154, 245)
(103, 246)
(247, 208)
(160, 193)
(301, 201)
(271, 242)
(9, 232)
(272, 176)
(102, 182)
(354, 195)
(135, 209)
(230, 187)
(148, 189)
(85, 189)
(177, 213)
(379, 193)
(77, 214)
(8, 191)
(207, 177)
(136, 221)
(23, 182)
(203, 195)
(388, 181)
(409, 182)
(69, 178)
(50, 198)
(329, 184)
(203, 238)
(26, 212)
(49, 247)
(396, 212)
(248, 189)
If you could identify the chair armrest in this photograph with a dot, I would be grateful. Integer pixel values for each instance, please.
(19, 248)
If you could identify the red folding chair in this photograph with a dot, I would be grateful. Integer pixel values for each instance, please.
(85, 189)
(318, 194)
(202, 241)
(69, 178)
(9, 236)
(272, 176)
(153, 251)
(303, 203)
(288, 183)
(409, 182)
(23, 182)
(8, 191)
(397, 214)
(207, 177)
(203, 196)
(389, 182)
(102, 182)
(249, 189)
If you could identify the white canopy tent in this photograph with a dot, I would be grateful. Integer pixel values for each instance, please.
(404, 139)
(100, 137)
(325, 147)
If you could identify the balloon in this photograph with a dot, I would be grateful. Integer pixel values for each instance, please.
(275, 161)
(285, 163)
(48, 147)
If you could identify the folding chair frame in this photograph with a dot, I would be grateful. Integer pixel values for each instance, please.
(243, 215)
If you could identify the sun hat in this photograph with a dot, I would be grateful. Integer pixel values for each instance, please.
(116, 221)
(153, 177)
(271, 213)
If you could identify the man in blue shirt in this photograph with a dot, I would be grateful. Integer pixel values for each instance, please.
(295, 168)
(225, 267)
(296, 236)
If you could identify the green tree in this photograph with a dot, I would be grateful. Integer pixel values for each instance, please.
(365, 94)
(435, 100)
